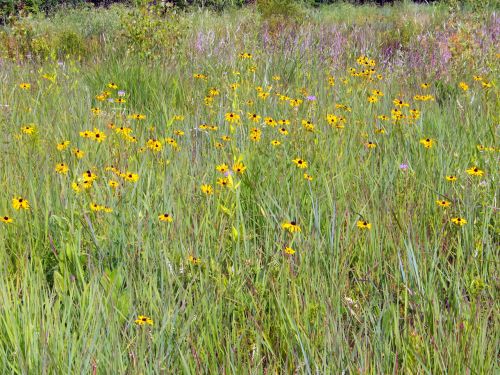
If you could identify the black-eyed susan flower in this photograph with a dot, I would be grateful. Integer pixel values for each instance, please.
(28, 129)
(78, 153)
(63, 145)
(143, 320)
(179, 133)
(283, 131)
(372, 99)
(193, 260)
(136, 116)
(458, 221)
(24, 86)
(207, 189)
(289, 251)
(427, 142)
(291, 226)
(129, 176)
(464, 86)
(232, 117)
(239, 167)
(363, 224)
(254, 117)
(224, 182)
(113, 184)
(370, 145)
(300, 163)
(443, 203)
(6, 219)
(20, 203)
(61, 168)
(167, 218)
(275, 142)
(475, 171)
(308, 177)
(222, 168)
(451, 178)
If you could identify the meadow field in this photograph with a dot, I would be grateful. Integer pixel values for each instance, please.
(237, 192)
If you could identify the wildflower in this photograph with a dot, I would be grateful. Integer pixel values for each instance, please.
(239, 167)
(61, 168)
(451, 178)
(283, 131)
(78, 153)
(427, 142)
(270, 122)
(362, 224)
(63, 145)
(76, 187)
(166, 218)
(98, 135)
(458, 221)
(464, 86)
(289, 251)
(302, 164)
(425, 86)
(403, 166)
(308, 177)
(129, 176)
(224, 182)
(443, 203)
(291, 226)
(295, 102)
(179, 133)
(193, 260)
(154, 145)
(207, 189)
(120, 100)
(225, 138)
(276, 78)
(6, 219)
(96, 111)
(222, 168)
(372, 99)
(400, 103)
(232, 117)
(25, 86)
(28, 129)
(20, 203)
(475, 171)
(136, 116)
(143, 320)
(254, 117)
(370, 145)
(200, 76)
(275, 143)
(113, 184)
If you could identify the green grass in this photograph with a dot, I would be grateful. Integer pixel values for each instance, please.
(414, 294)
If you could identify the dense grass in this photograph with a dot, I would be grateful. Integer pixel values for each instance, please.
(416, 293)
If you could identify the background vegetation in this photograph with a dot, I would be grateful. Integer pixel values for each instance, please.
(414, 294)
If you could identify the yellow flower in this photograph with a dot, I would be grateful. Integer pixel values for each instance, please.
(239, 167)
(362, 224)
(61, 168)
(254, 117)
(443, 203)
(6, 219)
(63, 145)
(98, 135)
(78, 153)
(232, 117)
(28, 129)
(291, 226)
(427, 142)
(275, 143)
(143, 320)
(475, 171)
(302, 164)
(451, 178)
(25, 86)
(207, 189)
(370, 145)
(222, 168)
(193, 260)
(289, 250)
(166, 218)
(308, 177)
(224, 182)
(113, 184)
(20, 203)
(112, 85)
(464, 86)
(129, 176)
(458, 221)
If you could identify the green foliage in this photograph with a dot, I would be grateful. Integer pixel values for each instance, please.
(284, 10)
